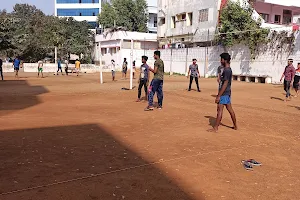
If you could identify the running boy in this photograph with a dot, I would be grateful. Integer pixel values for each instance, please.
(297, 81)
(157, 83)
(288, 76)
(59, 67)
(40, 68)
(224, 95)
(194, 73)
(143, 79)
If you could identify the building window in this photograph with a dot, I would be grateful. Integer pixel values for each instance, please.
(77, 12)
(155, 21)
(162, 21)
(277, 19)
(189, 21)
(173, 22)
(287, 16)
(181, 17)
(77, 1)
(265, 17)
(203, 15)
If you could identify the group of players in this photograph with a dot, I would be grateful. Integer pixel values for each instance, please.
(223, 98)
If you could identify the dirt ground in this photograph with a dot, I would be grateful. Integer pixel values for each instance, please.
(72, 138)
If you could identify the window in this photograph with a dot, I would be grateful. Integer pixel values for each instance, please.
(287, 17)
(265, 16)
(277, 19)
(77, 1)
(93, 25)
(162, 21)
(203, 15)
(181, 17)
(173, 22)
(77, 12)
(189, 21)
(155, 21)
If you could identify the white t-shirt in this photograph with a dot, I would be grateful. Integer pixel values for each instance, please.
(40, 64)
(113, 67)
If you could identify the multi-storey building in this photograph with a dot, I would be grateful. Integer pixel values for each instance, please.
(80, 10)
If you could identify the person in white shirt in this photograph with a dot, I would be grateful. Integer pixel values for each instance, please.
(113, 70)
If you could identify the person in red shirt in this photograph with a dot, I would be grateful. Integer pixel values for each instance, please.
(288, 76)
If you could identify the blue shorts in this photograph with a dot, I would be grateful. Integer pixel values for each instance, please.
(16, 68)
(224, 100)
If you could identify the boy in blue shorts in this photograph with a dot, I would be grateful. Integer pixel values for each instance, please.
(224, 96)
(16, 64)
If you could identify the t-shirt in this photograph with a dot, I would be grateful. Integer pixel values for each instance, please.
(289, 73)
(194, 70)
(59, 64)
(125, 65)
(297, 72)
(40, 64)
(17, 63)
(160, 69)
(67, 63)
(226, 76)
(144, 71)
(77, 64)
(113, 67)
(1, 62)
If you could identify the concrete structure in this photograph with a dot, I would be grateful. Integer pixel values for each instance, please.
(187, 21)
(152, 10)
(117, 46)
(80, 10)
(278, 13)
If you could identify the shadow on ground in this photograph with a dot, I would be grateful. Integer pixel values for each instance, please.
(212, 122)
(297, 107)
(37, 157)
(18, 94)
(277, 98)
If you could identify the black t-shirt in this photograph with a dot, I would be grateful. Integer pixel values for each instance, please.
(226, 76)
(1, 62)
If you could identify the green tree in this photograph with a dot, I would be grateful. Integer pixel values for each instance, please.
(238, 27)
(131, 14)
(107, 17)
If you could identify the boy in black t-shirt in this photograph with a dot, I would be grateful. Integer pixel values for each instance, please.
(224, 95)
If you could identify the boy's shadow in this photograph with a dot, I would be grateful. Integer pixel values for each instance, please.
(212, 122)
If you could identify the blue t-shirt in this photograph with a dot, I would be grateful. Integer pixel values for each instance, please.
(144, 71)
(17, 63)
(59, 63)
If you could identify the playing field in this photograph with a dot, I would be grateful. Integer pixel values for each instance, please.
(70, 138)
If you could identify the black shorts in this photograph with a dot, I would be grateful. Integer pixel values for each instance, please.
(296, 84)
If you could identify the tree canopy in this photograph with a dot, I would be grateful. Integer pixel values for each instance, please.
(238, 27)
(131, 14)
(29, 33)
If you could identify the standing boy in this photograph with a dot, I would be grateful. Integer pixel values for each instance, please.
(113, 69)
(288, 76)
(77, 66)
(143, 79)
(16, 65)
(194, 73)
(59, 66)
(224, 95)
(67, 67)
(124, 68)
(40, 68)
(157, 83)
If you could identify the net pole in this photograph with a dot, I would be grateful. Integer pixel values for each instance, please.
(131, 65)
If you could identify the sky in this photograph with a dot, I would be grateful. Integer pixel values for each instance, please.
(47, 6)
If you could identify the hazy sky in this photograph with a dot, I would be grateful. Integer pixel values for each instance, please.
(47, 6)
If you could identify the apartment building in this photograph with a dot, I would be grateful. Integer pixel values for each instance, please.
(187, 22)
(80, 10)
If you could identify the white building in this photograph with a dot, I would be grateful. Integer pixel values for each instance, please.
(152, 10)
(80, 10)
(185, 21)
(117, 46)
